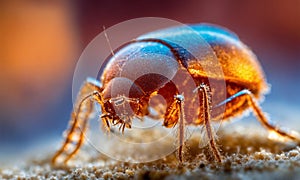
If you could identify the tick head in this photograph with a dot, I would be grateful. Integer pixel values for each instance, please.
(126, 98)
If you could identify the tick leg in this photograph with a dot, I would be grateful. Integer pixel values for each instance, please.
(78, 123)
(206, 104)
(75, 133)
(261, 116)
(179, 101)
(175, 114)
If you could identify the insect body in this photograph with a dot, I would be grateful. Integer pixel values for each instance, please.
(145, 67)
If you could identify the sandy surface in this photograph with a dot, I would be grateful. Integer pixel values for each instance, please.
(246, 155)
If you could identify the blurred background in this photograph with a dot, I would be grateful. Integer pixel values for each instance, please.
(41, 41)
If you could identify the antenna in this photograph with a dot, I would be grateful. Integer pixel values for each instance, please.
(108, 42)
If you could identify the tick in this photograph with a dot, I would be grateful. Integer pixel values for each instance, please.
(118, 90)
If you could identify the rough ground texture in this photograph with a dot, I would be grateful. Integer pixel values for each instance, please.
(246, 155)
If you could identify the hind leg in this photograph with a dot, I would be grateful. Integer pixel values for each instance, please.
(250, 99)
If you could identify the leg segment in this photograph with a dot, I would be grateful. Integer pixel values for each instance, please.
(78, 123)
(175, 113)
(179, 101)
(206, 104)
(250, 99)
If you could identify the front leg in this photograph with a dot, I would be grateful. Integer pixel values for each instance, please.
(78, 123)
(180, 102)
(174, 115)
